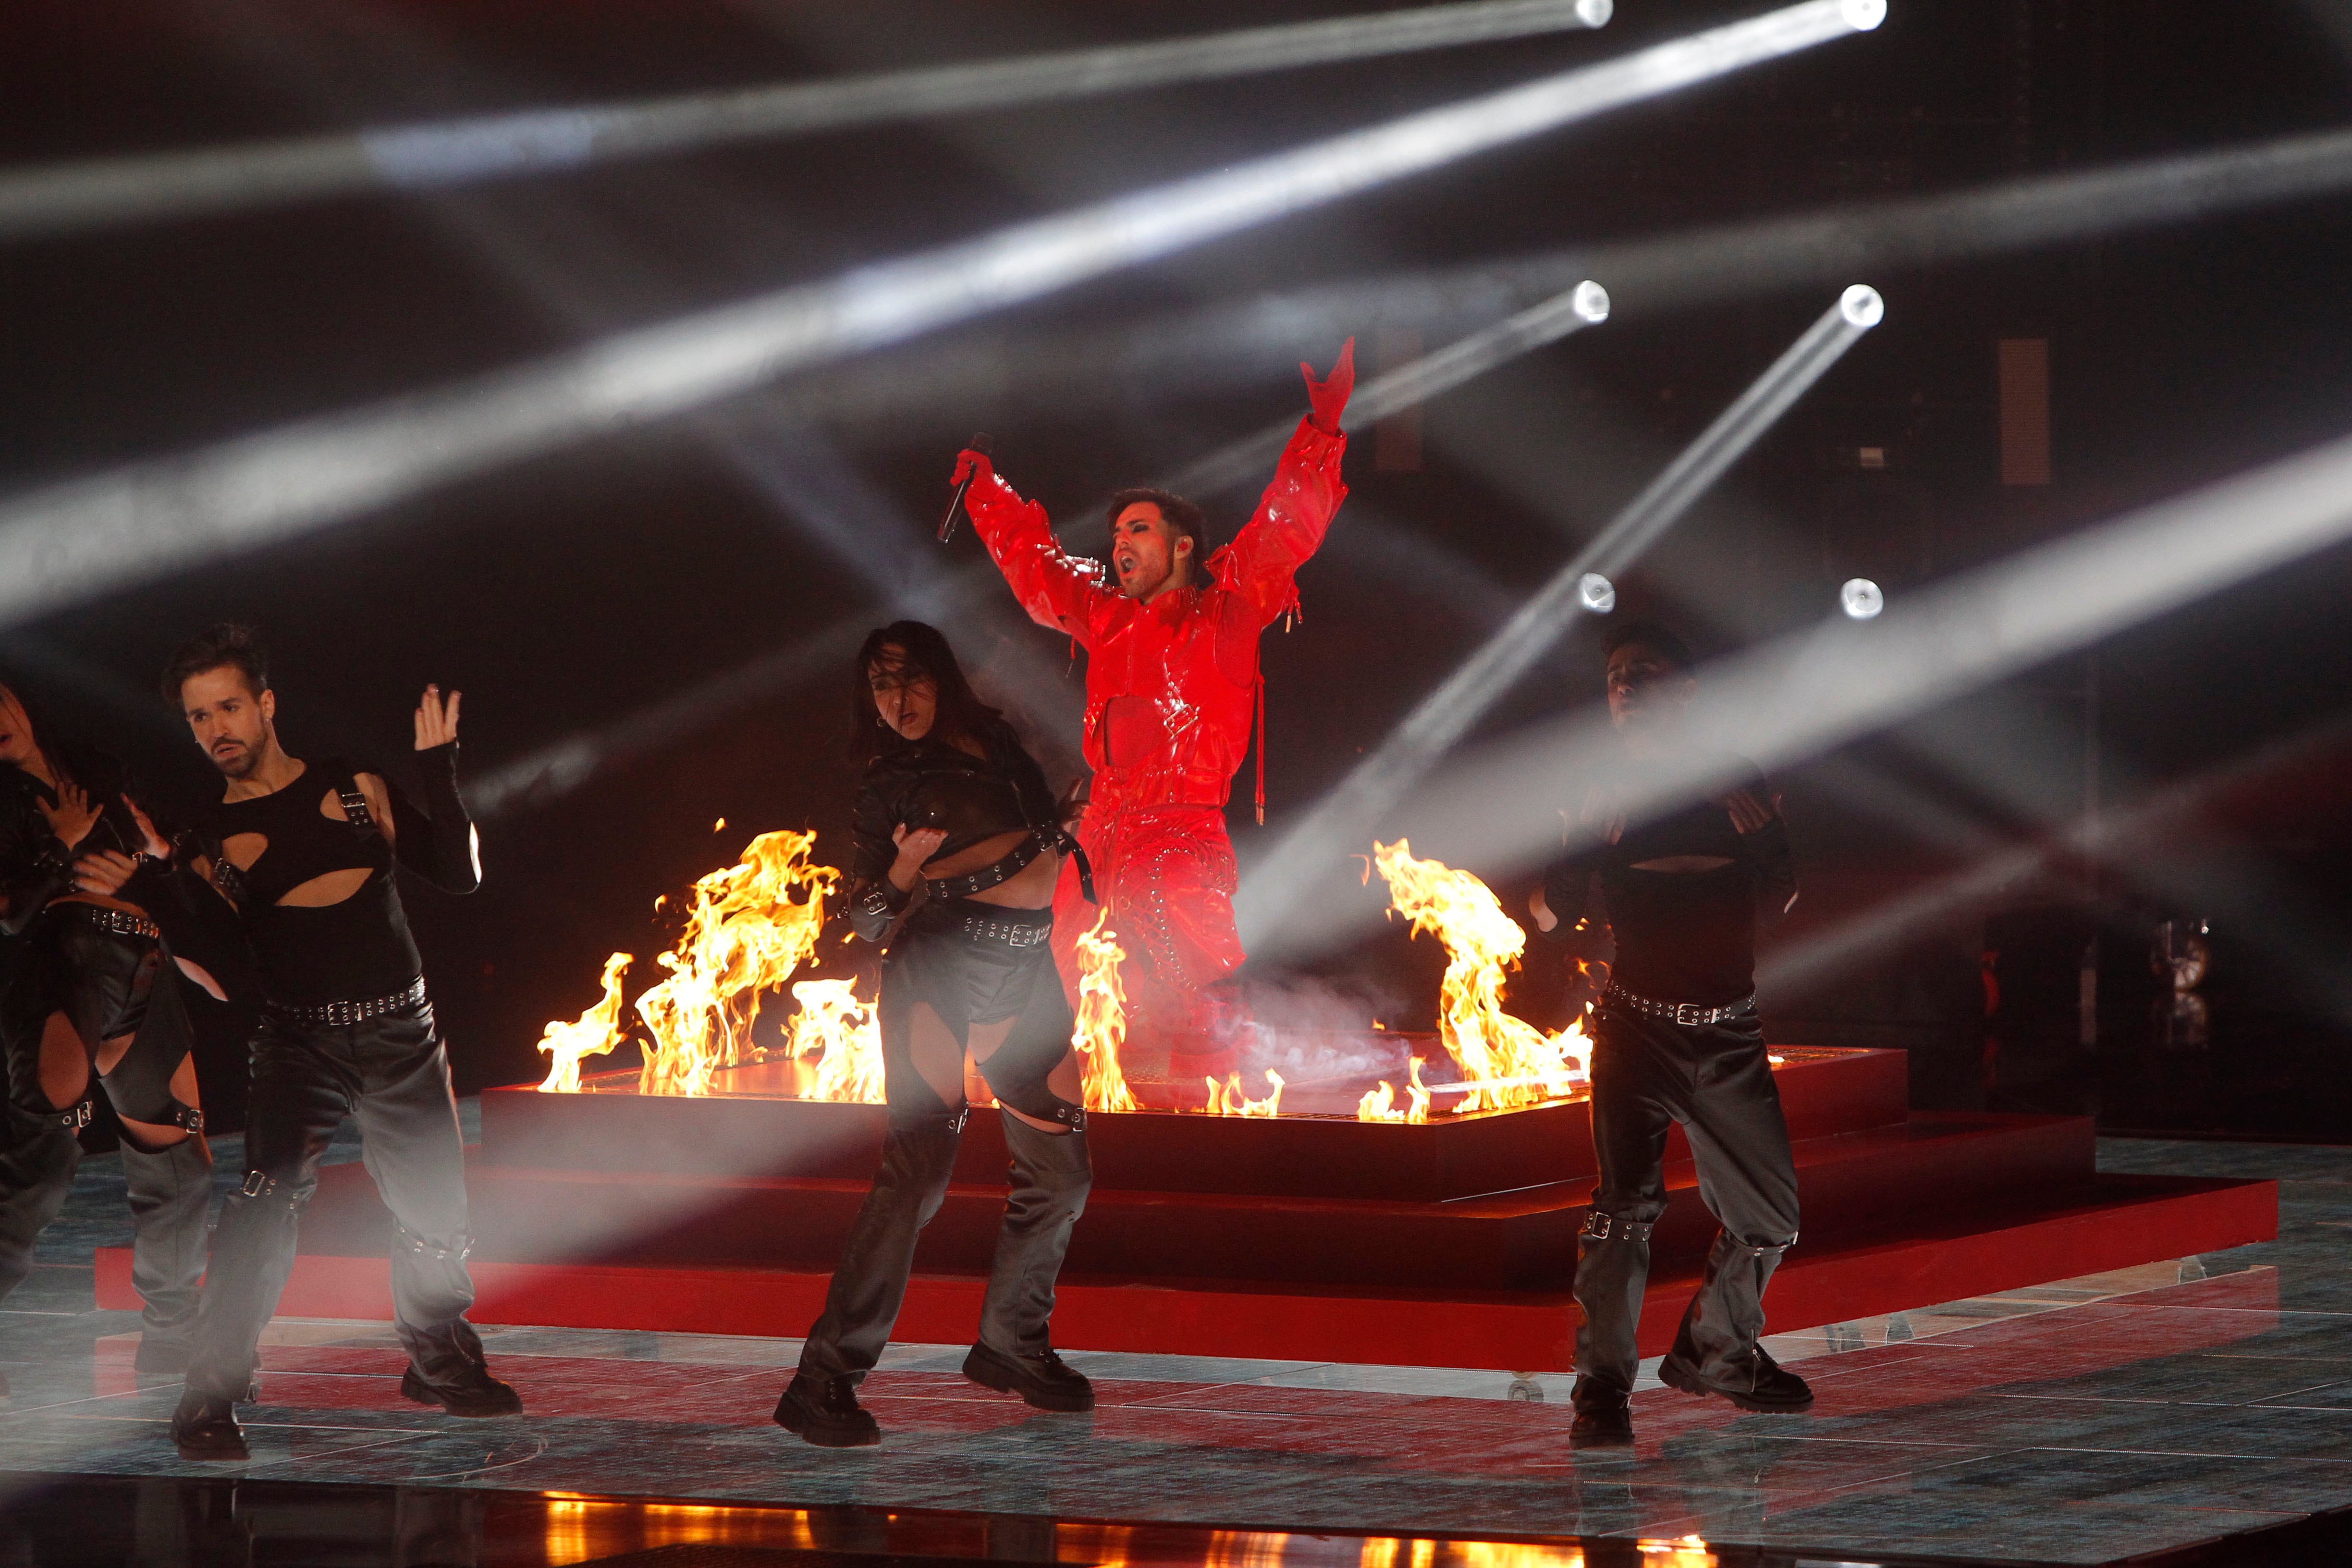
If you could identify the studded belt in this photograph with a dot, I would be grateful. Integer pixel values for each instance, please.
(1011, 933)
(1010, 865)
(342, 1014)
(123, 922)
(1687, 1014)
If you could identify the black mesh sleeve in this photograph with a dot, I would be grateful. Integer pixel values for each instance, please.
(436, 840)
(1769, 857)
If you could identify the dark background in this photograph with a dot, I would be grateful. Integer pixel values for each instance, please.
(592, 595)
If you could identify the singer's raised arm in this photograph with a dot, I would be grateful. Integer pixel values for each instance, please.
(1057, 589)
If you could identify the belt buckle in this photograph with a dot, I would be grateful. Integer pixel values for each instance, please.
(1690, 1013)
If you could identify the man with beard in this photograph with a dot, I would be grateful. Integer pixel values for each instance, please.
(297, 858)
(1677, 1040)
(1172, 682)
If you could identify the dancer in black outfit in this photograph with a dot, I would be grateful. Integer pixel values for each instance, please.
(91, 991)
(298, 859)
(1677, 1040)
(949, 799)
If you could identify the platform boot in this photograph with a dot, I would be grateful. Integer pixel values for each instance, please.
(1715, 1351)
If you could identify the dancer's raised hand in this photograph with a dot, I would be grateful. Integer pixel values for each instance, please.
(437, 720)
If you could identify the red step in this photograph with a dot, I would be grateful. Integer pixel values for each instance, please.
(1851, 1183)
(760, 1136)
(2119, 1222)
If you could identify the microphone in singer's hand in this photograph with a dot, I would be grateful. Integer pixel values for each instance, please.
(963, 487)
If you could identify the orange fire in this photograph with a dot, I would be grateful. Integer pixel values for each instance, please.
(1229, 1099)
(750, 927)
(1508, 1061)
(592, 1034)
(1102, 1020)
(845, 1036)
(1380, 1105)
(745, 935)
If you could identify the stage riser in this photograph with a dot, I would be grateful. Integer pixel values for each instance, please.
(2129, 1222)
(1447, 1159)
(1851, 1184)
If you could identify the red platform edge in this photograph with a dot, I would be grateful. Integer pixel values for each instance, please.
(2133, 1220)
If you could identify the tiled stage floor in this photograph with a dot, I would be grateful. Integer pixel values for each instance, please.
(2111, 1417)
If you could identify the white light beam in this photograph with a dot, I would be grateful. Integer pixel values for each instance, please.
(67, 543)
(62, 198)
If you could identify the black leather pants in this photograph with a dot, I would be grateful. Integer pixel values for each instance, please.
(1713, 1080)
(108, 983)
(391, 1075)
(1051, 1177)
(1051, 1172)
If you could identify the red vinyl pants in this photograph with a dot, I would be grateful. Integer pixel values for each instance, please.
(1166, 874)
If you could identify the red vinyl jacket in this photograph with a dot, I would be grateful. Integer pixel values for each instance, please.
(1169, 685)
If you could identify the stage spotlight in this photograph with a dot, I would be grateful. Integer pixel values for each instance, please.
(1590, 300)
(82, 537)
(1274, 888)
(411, 157)
(1598, 594)
(1860, 599)
(1863, 16)
(1862, 306)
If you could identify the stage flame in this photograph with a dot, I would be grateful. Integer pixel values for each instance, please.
(845, 1035)
(1508, 1061)
(744, 936)
(592, 1034)
(1102, 1020)
(1229, 1099)
(1380, 1105)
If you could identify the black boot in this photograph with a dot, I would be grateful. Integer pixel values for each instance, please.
(205, 1427)
(1603, 1417)
(467, 1389)
(1761, 1385)
(1715, 1350)
(1042, 1378)
(824, 1411)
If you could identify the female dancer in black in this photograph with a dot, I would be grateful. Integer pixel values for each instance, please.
(90, 989)
(950, 799)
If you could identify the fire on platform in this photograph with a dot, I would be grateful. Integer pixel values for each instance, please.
(752, 926)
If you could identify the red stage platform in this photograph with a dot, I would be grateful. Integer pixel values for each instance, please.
(1300, 1237)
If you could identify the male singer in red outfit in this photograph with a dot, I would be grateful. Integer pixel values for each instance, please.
(1173, 683)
